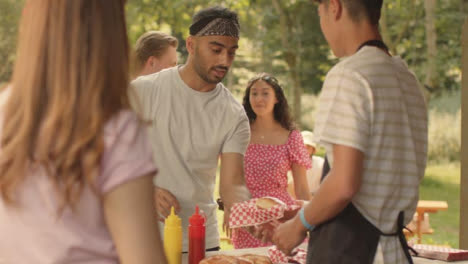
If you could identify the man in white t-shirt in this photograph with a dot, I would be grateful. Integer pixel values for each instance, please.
(372, 122)
(194, 120)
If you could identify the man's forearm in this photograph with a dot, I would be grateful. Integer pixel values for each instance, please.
(341, 184)
(231, 194)
(232, 187)
(328, 202)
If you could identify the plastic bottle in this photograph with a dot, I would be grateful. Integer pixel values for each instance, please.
(173, 238)
(196, 237)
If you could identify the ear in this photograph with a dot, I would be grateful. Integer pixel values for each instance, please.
(190, 44)
(336, 8)
(149, 62)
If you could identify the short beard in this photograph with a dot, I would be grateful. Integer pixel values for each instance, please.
(204, 75)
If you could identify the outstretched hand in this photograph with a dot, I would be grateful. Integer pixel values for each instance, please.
(164, 200)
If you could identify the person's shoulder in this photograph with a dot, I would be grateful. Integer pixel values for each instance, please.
(402, 67)
(366, 58)
(295, 133)
(154, 79)
(229, 100)
(356, 69)
(124, 120)
(295, 137)
(345, 69)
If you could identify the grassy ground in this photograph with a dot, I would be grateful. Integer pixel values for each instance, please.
(441, 182)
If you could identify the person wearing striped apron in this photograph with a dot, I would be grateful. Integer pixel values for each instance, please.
(372, 122)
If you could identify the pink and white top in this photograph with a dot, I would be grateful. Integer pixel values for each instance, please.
(266, 168)
(33, 233)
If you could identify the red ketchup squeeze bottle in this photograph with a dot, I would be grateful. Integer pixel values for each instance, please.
(196, 237)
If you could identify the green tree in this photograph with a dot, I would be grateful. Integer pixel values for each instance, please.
(292, 46)
(432, 53)
(9, 15)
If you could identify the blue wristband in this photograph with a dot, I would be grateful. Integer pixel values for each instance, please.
(304, 221)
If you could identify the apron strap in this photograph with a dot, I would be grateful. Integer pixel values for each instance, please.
(325, 169)
(401, 237)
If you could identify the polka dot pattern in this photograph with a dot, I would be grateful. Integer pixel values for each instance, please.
(266, 168)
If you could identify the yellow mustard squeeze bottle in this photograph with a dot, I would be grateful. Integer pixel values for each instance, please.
(173, 238)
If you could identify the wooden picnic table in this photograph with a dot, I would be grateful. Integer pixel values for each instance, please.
(427, 207)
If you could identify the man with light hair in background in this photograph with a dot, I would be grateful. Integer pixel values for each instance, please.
(155, 51)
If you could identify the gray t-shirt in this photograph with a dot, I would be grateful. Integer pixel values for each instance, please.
(189, 131)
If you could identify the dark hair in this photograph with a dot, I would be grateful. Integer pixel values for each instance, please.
(280, 111)
(371, 9)
(205, 16)
(215, 11)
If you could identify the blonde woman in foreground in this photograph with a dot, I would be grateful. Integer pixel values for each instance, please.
(75, 167)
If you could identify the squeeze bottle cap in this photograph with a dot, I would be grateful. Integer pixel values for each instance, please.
(173, 219)
(197, 219)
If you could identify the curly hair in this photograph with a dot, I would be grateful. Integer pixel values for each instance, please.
(281, 111)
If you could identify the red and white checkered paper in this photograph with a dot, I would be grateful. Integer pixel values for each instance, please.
(248, 214)
(299, 255)
(440, 253)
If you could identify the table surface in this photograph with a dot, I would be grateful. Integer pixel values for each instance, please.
(438, 205)
(264, 251)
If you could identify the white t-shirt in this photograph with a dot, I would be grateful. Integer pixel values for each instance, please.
(315, 173)
(188, 132)
(373, 103)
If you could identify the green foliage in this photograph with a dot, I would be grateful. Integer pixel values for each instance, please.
(403, 27)
(9, 15)
(306, 41)
(448, 102)
(445, 127)
(444, 136)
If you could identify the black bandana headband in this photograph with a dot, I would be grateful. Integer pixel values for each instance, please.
(215, 26)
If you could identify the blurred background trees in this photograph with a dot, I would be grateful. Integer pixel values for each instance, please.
(283, 37)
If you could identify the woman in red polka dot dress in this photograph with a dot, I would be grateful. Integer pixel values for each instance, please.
(275, 148)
